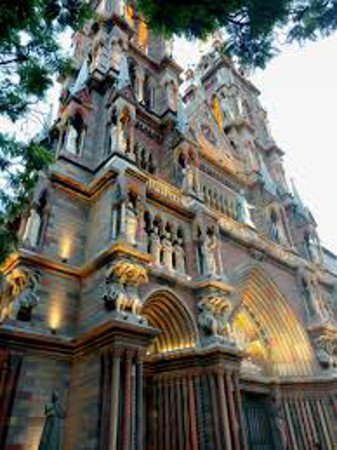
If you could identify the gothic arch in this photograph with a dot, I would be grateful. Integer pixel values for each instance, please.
(171, 316)
(265, 320)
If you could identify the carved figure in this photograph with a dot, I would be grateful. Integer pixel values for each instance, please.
(313, 249)
(71, 143)
(167, 250)
(180, 256)
(11, 287)
(208, 249)
(32, 230)
(188, 179)
(125, 134)
(131, 223)
(243, 210)
(206, 320)
(325, 347)
(155, 244)
(51, 438)
(28, 298)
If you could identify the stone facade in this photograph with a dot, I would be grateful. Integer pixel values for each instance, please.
(170, 290)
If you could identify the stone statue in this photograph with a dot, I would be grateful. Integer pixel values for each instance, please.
(206, 320)
(325, 351)
(113, 137)
(180, 256)
(188, 179)
(208, 249)
(115, 297)
(274, 232)
(28, 298)
(125, 134)
(243, 210)
(155, 244)
(131, 223)
(51, 438)
(313, 249)
(167, 250)
(33, 227)
(71, 144)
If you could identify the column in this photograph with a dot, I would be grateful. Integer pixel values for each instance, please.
(192, 414)
(244, 443)
(114, 410)
(224, 412)
(232, 411)
(140, 411)
(126, 441)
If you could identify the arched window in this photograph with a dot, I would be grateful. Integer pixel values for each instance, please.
(143, 35)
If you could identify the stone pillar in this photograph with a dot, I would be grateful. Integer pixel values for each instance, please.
(140, 410)
(244, 444)
(232, 410)
(127, 410)
(115, 389)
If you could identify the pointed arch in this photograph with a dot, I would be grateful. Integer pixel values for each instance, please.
(165, 311)
(265, 320)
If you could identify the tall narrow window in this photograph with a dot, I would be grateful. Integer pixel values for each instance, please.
(143, 35)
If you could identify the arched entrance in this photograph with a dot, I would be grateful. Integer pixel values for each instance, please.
(277, 344)
(166, 312)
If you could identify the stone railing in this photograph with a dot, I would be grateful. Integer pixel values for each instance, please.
(167, 192)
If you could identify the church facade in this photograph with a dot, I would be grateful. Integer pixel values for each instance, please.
(170, 290)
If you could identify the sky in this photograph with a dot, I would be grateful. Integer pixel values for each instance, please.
(299, 92)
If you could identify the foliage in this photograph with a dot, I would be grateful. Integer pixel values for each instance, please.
(30, 58)
(250, 26)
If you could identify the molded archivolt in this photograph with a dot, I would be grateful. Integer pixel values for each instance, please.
(277, 341)
(165, 311)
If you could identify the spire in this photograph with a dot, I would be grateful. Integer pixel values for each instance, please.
(123, 79)
(82, 78)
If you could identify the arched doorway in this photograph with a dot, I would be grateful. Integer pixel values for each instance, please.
(276, 342)
(166, 312)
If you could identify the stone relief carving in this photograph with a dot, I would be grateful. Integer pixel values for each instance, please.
(213, 318)
(121, 293)
(18, 294)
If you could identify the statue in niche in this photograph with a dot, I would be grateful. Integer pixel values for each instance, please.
(208, 249)
(188, 185)
(167, 250)
(155, 244)
(131, 221)
(33, 228)
(113, 133)
(71, 142)
(125, 134)
(275, 232)
(51, 438)
(243, 210)
(227, 109)
(278, 420)
(116, 55)
(311, 294)
(180, 256)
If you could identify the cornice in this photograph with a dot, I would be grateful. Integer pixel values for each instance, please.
(113, 333)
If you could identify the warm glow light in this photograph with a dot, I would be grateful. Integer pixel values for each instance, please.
(65, 247)
(216, 107)
(55, 313)
(143, 37)
(130, 15)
